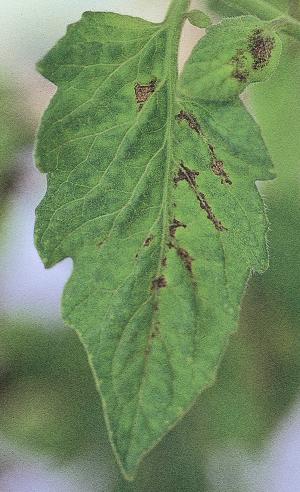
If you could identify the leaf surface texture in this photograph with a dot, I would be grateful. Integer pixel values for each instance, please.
(151, 192)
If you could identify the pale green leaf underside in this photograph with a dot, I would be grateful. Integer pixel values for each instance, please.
(151, 191)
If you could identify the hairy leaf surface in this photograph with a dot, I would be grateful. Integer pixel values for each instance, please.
(151, 192)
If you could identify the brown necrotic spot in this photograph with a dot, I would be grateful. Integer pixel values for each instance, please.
(261, 46)
(164, 262)
(191, 120)
(186, 258)
(217, 165)
(210, 215)
(153, 334)
(174, 226)
(186, 174)
(218, 170)
(159, 283)
(201, 198)
(148, 240)
(240, 71)
(143, 92)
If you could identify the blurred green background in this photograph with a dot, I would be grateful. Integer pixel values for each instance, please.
(244, 432)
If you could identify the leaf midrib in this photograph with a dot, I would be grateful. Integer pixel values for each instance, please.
(171, 76)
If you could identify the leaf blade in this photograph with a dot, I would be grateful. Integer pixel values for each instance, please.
(133, 131)
(198, 19)
(112, 144)
(288, 11)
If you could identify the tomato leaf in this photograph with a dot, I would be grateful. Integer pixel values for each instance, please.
(151, 192)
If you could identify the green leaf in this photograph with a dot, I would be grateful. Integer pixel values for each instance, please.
(151, 192)
(286, 10)
(198, 18)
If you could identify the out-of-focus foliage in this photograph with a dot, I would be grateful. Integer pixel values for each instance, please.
(48, 399)
(14, 133)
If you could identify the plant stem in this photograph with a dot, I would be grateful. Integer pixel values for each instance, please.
(174, 20)
(176, 10)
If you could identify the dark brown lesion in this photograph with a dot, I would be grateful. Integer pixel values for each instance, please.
(186, 258)
(218, 170)
(202, 200)
(191, 120)
(164, 262)
(261, 46)
(159, 283)
(155, 332)
(148, 240)
(143, 92)
(185, 174)
(240, 72)
(210, 215)
(174, 226)
(217, 165)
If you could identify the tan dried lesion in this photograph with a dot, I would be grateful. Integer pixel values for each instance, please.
(159, 283)
(186, 174)
(148, 240)
(240, 71)
(261, 46)
(143, 92)
(189, 177)
(186, 258)
(210, 215)
(217, 165)
(174, 226)
(191, 121)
